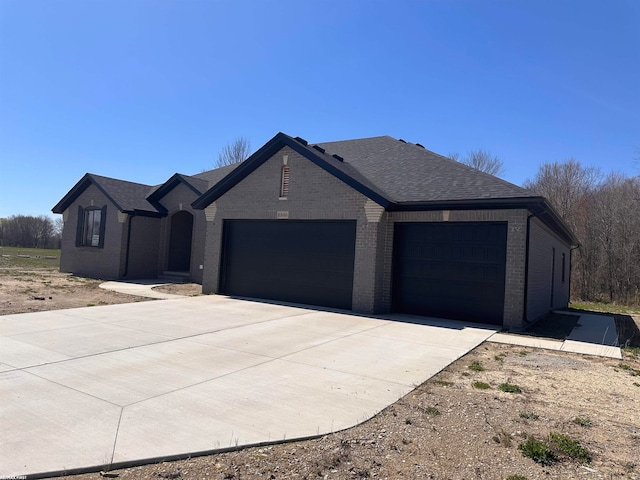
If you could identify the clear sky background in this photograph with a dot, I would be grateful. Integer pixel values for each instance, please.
(141, 89)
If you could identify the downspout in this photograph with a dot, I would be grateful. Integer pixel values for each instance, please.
(126, 257)
(525, 316)
(571, 267)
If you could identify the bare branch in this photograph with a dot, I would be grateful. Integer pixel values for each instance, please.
(485, 162)
(481, 160)
(234, 152)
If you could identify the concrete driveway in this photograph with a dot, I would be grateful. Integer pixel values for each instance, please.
(108, 385)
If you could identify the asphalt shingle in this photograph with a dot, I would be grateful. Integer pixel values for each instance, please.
(409, 173)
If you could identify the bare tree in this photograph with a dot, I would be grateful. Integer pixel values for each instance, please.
(564, 185)
(481, 160)
(604, 212)
(28, 232)
(234, 152)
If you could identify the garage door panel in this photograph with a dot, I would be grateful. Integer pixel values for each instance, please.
(296, 261)
(450, 270)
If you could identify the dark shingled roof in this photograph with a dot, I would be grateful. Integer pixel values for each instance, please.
(126, 196)
(410, 173)
(395, 174)
(214, 176)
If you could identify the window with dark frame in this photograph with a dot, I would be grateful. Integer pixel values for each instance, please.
(563, 267)
(284, 182)
(91, 233)
(91, 226)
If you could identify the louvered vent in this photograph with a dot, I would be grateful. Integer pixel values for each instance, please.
(284, 184)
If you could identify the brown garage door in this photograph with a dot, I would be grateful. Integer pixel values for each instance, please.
(450, 270)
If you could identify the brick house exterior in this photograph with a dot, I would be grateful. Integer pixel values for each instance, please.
(360, 193)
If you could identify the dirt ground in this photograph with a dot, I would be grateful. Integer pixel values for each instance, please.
(445, 429)
(35, 290)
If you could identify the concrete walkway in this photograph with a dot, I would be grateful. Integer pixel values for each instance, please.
(105, 386)
(140, 288)
(592, 335)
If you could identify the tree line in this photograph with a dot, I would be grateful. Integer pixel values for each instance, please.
(604, 213)
(28, 231)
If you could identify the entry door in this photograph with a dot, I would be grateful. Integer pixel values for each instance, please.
(450, 270)
(307, 262)
(180, 242)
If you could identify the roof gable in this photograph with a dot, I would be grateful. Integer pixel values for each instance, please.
(334, 165)
(196, 185)
(127, 197)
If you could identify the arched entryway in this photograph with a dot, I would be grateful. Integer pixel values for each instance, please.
(180, 242)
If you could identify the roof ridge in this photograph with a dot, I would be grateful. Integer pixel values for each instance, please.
(352, 140)
(95, 175)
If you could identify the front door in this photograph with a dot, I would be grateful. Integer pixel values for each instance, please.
(180, 242)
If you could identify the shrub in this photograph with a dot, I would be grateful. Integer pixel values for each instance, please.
(538, 451)
(476, 366)
(516, 477)
(481, 385)
(570, 447)
(510, 388)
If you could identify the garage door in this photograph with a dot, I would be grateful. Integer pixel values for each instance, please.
(450, 270)
(307, 262)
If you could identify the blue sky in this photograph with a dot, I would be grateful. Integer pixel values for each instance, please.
(142, 89)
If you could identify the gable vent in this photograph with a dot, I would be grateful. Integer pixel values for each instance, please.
(284, 182)
(320, 149)
(417, 144)
(301, 140)
(338, 157)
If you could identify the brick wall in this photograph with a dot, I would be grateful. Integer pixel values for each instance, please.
(314, 194)
(104, 263)
(143, 247)
(546, 271)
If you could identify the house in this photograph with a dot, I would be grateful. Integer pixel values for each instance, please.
(370, 225)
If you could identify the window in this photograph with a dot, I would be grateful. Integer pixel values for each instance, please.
(284, 183)
(91, 223)
(564, 266)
